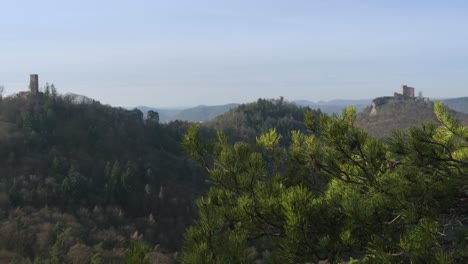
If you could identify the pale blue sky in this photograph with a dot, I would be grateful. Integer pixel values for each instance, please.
(182, 52)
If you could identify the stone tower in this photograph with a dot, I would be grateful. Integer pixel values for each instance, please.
(407, 91)
(34, 83)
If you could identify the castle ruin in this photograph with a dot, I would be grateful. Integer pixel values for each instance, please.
(406, 92)
(34, 83)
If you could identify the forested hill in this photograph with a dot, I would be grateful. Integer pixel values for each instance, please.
(389, 115)
(82, 182)
(248, 121)
(103, 172)
(99, 176)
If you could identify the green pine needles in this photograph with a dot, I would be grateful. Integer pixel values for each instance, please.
(334, 194)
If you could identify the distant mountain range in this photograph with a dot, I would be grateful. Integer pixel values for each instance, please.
(203, 113)
(165, 114)
(342, 102)
(335, 106)
(458, 104)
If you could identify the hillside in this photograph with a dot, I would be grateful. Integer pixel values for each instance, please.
(96, 174)
(399, 114)
(457, 104)
(248, 121)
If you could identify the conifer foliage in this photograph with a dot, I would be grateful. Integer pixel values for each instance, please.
(334, 194)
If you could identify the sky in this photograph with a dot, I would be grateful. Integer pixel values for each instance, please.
(192, 52)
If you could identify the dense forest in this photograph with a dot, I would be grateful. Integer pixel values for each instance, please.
(248, 121)
(83, 181)
(84, 178)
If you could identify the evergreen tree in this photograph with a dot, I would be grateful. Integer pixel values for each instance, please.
(53, 90)
(334, 194)
(47, 89)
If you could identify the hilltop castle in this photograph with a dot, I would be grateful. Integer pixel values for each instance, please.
(406, 92)
(33, 87)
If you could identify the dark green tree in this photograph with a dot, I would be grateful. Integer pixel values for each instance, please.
(75, 185)
(138, 253)
(47, 89)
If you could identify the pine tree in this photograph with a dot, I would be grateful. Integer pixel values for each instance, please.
(333, 194)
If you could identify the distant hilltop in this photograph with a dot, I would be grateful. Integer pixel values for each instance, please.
(407, 94)
(405, 110)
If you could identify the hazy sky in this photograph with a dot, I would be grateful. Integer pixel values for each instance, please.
(181, 53)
